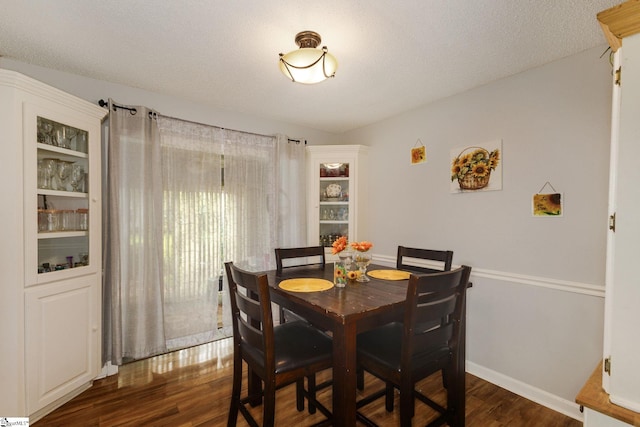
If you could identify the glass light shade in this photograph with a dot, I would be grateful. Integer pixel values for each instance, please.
(307, 65)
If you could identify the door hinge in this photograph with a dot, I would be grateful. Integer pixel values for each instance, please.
(618, 77)
(607, 365)
(612, 222)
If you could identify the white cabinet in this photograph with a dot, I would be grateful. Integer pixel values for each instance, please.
(50, 252)
(622, 297)
(62, 342)
(336, 188)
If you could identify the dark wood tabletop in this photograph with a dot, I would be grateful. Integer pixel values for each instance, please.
(345, 312)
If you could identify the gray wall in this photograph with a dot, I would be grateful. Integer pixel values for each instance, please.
(536, 307)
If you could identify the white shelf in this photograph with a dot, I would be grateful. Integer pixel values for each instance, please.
(63, 151)
(75, 194)
(62, 234)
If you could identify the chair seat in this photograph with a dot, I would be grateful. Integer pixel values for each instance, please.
(383, 346)
(299, 344)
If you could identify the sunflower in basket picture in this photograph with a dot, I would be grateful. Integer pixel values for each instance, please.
(476, 168)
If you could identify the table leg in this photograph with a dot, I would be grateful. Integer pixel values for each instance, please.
(344, 376)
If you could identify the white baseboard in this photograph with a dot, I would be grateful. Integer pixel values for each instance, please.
(551, 401)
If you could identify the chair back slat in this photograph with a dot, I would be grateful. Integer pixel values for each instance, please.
(248, 306)
(435, 309)
(439, 336)
(294, 257)
(251, 335)
(433, 312)
(251, 313)
(408, 257)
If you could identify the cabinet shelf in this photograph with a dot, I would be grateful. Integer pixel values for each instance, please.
(71, 154)
(75, 194)
(62, 234)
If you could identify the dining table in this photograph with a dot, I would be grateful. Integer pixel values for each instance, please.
(345, 312)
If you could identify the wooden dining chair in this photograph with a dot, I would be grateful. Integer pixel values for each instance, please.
(296, 257)
(427, 341)
(407, 258)
(279, 355)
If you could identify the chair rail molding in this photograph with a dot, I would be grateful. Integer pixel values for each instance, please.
(543, 282)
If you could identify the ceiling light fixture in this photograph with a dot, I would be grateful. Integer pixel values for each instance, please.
(308, 65)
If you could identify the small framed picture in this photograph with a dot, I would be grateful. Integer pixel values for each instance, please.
(547, 205)
(418, 155)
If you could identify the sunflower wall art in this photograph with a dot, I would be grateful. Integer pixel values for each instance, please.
(547, 205)
(418, 153)
(476, 168)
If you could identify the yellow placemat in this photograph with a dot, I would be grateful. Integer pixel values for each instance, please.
(389, 274)
(305, 285)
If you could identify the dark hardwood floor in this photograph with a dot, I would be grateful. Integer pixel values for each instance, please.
(191, 387)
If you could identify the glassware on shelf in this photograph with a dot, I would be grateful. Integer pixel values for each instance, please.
(343, 214)
(77, 177)
(45, 129)
(48, 220)
(81, 142)
(68, 222)
(83, 258)
(60, 137)
(70, 134)
(63, 171)
(83, 219)
(46, 172)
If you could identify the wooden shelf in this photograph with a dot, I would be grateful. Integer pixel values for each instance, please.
(594, 397)
(619, 22)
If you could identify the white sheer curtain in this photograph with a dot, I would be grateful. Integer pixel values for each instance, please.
(251, 211)
(193, 228)
(183, 199)
(292, 192)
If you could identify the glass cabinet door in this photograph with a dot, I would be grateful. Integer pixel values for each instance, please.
(60, 158)
(334, 190)
(334, 202)
(63, 209)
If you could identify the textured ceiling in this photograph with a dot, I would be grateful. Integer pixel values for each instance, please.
(393, 55)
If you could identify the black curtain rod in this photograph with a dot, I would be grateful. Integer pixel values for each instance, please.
(104, 103)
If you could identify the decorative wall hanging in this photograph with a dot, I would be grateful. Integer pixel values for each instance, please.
(547, 204)
(418, 153)
(476, 168)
